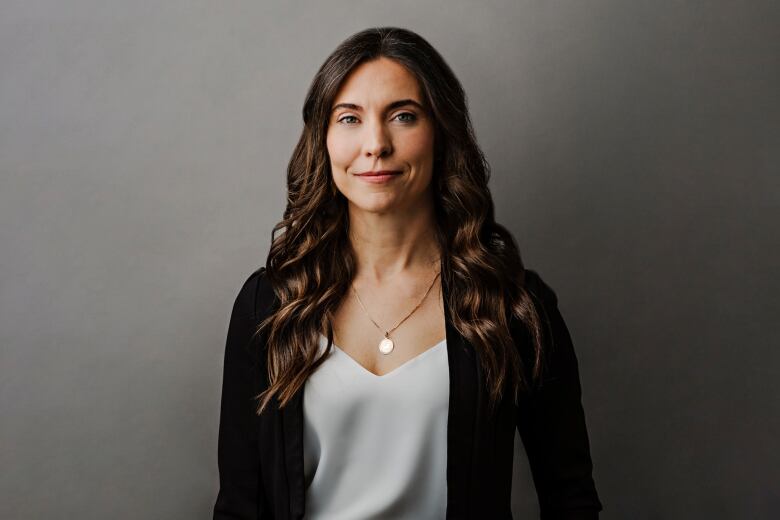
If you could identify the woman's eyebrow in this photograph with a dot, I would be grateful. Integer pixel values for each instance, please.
(391, 106)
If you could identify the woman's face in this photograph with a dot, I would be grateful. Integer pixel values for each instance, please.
(378, 123)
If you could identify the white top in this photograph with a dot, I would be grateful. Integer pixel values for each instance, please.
(376, 446)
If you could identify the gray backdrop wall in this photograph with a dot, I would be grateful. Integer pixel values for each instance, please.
(143, 145)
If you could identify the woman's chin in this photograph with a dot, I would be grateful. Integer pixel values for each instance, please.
(375, 204)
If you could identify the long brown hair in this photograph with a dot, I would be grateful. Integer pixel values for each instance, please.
(311, 265)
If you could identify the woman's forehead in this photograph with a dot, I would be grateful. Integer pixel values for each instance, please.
(378, 83)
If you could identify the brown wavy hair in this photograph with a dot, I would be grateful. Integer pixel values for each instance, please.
(311, 265)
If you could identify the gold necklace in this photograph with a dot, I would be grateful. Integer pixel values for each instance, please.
(386, 345)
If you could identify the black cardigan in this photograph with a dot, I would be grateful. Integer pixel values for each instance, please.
(260, 458)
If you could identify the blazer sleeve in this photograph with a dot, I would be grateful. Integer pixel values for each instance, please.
(551, 422)
(240, 490)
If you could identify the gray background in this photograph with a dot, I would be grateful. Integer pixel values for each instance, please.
(143, 145)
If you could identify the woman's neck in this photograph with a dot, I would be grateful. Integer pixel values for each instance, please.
(390, 245)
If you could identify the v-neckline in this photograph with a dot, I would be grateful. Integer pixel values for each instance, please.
(397, 369)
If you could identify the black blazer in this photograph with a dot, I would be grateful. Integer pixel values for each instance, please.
(260, 458)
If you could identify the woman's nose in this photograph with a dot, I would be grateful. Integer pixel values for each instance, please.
(377, 140)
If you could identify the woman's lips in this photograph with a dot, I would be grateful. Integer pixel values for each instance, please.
(378, 176)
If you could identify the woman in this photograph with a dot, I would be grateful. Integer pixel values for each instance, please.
(378, 364)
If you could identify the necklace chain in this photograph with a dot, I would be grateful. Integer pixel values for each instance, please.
(387, 332)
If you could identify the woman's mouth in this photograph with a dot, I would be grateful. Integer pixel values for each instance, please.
(378, 176)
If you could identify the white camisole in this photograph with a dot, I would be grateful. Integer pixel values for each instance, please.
(376, 446)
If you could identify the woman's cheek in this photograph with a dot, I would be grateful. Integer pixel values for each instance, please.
(340, 153)
(420, 144)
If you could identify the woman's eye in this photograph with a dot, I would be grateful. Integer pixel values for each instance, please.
(404, 117)
(411, 117)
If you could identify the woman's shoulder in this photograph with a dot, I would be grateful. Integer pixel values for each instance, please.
(538, 288)
(545, 302)
(255, 297)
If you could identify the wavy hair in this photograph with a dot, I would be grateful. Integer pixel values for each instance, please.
(311, 265)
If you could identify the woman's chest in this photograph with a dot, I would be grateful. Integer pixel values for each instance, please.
(341, 389)
(377, 436)
(361, 326)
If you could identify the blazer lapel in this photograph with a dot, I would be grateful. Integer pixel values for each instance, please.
(292, 433)
(465, 382)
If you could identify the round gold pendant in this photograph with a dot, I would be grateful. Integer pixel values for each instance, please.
(386, 346)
